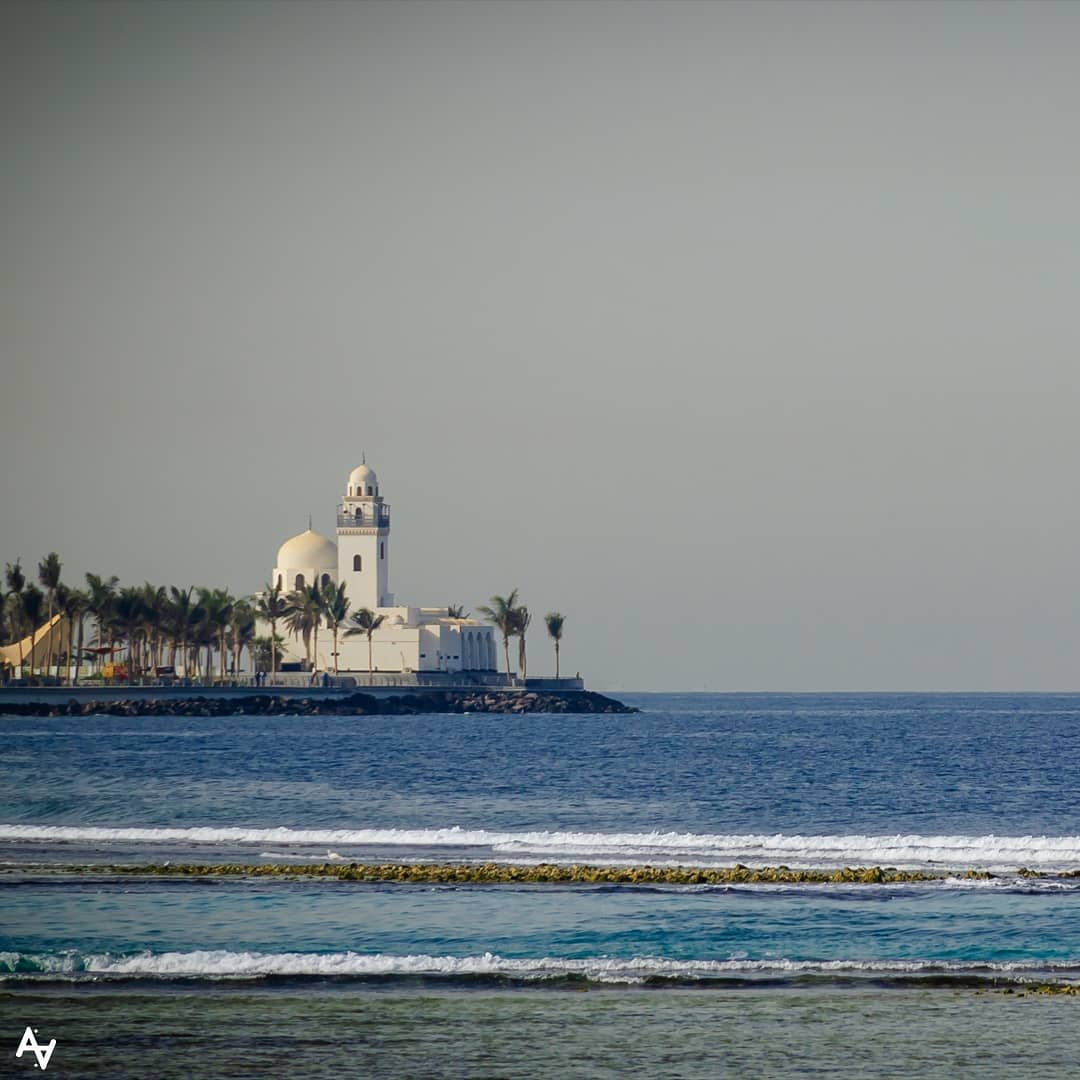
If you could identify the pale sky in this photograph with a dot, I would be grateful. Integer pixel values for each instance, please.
(745, 335)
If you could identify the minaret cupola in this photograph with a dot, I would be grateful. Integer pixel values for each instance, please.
(363, 483)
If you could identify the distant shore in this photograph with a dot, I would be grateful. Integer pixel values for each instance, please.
(269, 703)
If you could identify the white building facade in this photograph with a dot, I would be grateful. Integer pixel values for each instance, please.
(409, 639)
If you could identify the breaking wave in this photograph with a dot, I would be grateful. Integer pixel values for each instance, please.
(904, 851)
(223, 964)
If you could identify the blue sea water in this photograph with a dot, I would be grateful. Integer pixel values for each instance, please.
(940, 783)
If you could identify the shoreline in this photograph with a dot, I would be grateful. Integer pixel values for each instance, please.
(353, 703)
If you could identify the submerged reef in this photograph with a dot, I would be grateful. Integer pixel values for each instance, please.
(356, 704)
(490, 873)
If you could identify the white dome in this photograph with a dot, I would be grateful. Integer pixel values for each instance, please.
(307, 550)
(362, 477)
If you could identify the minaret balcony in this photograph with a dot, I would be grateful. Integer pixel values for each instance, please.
(365, 520)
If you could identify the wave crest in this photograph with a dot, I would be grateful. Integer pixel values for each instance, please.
(904, 851)
(227, 964)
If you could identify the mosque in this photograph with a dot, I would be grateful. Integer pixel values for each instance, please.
(410, 639)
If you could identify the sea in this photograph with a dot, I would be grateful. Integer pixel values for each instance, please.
(252, 976)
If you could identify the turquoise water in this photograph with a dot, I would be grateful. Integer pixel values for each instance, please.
(433, 978)
(174, 1034)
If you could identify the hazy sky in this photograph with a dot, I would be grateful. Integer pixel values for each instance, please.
(746, 335)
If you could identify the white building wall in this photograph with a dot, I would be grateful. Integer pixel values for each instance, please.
(361, 586)
(398, 649)
(287, 575)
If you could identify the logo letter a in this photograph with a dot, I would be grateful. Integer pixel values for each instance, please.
(42, 1053)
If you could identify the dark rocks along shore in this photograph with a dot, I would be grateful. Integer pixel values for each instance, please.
(357, 704)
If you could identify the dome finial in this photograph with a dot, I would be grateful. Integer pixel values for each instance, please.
(309, 522)
(363, 457)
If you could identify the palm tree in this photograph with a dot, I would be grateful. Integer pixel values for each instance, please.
(335, 610)
(201, 633)
(16, 582)
(156, 614)
(262, 657)
(129, 621)
(271, 605)
(49, 576)
(501, 615)
(31, 604)
(181, 614)
(4, 665)
(102, 598)
(554, 622)
(217, 605)
(301, 615)
(241, 629)
(73, 603)
(522, 618)
(317, 602)
(365, 621)
(456, 611)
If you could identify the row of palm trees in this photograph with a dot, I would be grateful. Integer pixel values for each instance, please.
(305, 610)
(157, 626)
(182, 629)
(512, 619)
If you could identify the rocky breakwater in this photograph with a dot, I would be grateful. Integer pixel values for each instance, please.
(357, 704)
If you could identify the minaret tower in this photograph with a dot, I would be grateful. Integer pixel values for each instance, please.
(363, 541)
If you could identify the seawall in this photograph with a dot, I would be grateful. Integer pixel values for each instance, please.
(294, 701)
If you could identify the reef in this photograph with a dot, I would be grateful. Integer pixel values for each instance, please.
(490, 873)
(356, 704)
(1066, 989)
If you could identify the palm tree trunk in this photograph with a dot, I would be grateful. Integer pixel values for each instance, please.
(370, 667)
(78, 653)
(335, 650)
(556, 658)
(506, 653)
(49, 646)
(273, 650)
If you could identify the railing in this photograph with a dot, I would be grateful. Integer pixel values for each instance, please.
(549, 682)
(364, 521)
(290, 683)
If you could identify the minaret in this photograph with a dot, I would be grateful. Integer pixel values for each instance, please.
(363, 541)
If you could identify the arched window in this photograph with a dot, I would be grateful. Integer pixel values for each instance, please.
(299, 582)
(279, 581)
(325, 580)
(382, 550)
(356, 563)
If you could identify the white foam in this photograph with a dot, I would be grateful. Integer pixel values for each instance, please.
(226, 964)
(904, 851)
